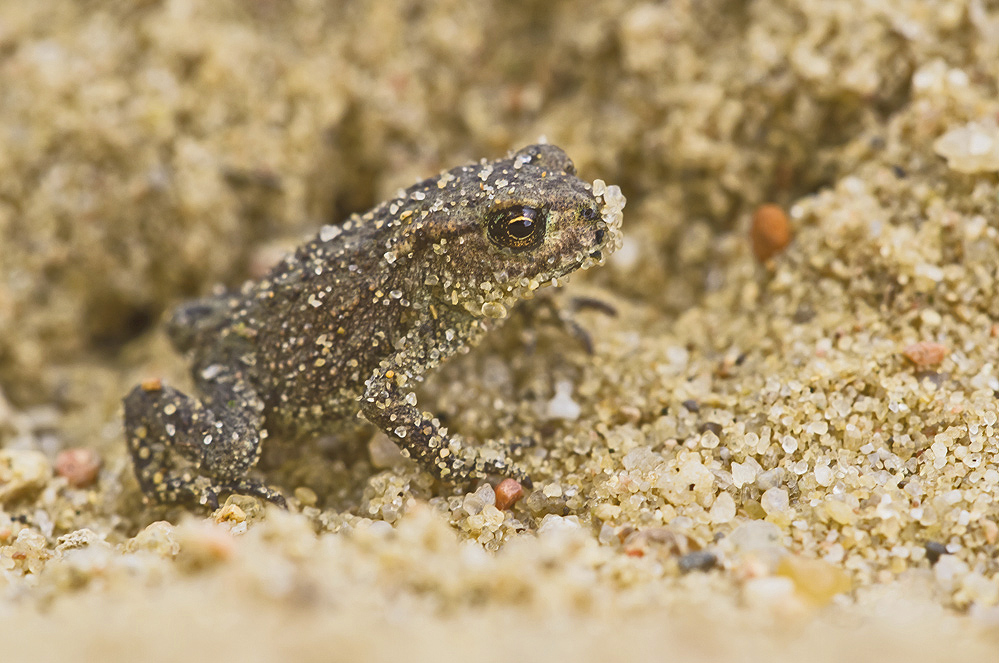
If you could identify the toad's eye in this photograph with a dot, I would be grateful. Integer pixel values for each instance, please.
(519, 228)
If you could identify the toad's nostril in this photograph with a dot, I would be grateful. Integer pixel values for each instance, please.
(600, 236)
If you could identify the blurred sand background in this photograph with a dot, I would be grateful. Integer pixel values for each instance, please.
(780, 459)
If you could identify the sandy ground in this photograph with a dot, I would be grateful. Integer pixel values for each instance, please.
(774, 452)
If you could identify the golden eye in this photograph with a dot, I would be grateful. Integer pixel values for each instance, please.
(519, 227)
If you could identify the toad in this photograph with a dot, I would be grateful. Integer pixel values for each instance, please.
(355, 317)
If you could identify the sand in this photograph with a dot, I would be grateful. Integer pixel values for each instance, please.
(774, 451)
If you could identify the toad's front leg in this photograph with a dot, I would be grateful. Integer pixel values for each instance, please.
(389, 403)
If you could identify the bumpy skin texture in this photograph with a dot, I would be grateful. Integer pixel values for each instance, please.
(354, 318)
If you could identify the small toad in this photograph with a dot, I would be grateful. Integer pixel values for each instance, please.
(354, 318)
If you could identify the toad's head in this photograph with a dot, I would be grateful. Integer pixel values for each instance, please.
(493, 232)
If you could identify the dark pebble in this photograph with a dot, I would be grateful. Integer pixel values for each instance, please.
(702, 560)
(934, 550)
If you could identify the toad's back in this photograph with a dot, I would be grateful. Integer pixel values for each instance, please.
(312, 331)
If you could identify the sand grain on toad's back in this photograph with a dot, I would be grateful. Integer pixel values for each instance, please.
(354, 318)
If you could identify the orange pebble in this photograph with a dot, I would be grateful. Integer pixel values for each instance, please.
(507, 494)
(78, 466)
(925, 353)
(770, 232)
(151, 384)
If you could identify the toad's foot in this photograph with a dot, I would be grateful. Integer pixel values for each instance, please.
(188, 451)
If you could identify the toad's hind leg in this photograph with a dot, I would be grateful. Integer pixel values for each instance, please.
(186, 450)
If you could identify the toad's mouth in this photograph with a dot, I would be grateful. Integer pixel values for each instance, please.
(595, 257)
